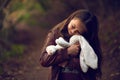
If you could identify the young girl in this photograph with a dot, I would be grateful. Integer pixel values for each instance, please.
(81, 22)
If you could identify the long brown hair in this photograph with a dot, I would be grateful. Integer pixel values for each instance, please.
(91, 23)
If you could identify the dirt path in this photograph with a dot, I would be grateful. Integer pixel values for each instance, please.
(27, 67)
(31, 68)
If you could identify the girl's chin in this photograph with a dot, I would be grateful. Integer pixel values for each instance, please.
(71, 34)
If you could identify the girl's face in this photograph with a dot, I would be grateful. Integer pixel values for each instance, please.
(76, 27)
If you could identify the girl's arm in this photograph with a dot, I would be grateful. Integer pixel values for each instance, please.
(55, 59)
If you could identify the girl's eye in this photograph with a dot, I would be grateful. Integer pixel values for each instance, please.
(73, 27)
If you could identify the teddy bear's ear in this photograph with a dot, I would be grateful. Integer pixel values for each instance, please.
(83, 65)
(90, 56)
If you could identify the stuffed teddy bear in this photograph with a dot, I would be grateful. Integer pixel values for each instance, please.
(87, 56)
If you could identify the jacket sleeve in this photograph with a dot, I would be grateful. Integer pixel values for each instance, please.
(50, 60)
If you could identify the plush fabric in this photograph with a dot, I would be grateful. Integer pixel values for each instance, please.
(87, 56)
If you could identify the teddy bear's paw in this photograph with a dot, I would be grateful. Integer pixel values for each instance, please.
(51, 49)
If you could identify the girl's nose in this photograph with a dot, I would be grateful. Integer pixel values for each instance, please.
(75, 32)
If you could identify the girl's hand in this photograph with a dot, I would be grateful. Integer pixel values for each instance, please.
(74, 49)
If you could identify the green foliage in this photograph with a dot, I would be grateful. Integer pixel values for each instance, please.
(24, 17)
(32, 22)
(28, 19)
(17, 6)
(38, 7)
(29, 6)
(7, 34)
(27, 9)
(45, 4)
(4, 34)
(16, 51)
(7, 48)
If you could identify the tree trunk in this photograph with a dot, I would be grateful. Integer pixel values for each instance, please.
(3, 5)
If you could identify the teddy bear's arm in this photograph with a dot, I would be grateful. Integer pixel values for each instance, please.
(61, 55)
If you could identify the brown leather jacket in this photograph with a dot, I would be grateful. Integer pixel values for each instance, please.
(56, 59)
(61, 56)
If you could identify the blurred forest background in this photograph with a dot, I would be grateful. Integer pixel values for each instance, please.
(24, 25)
